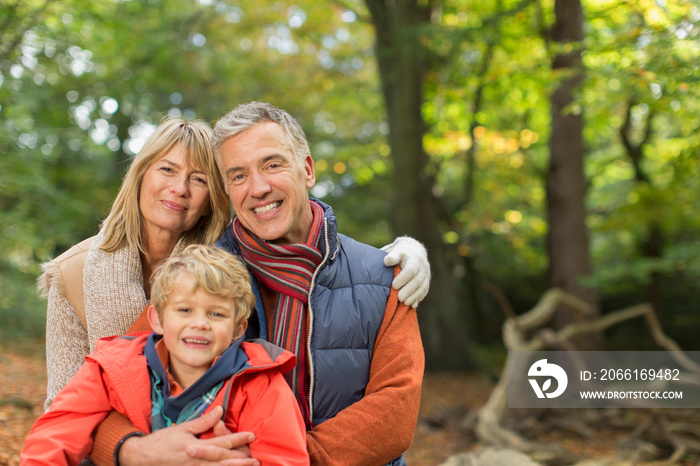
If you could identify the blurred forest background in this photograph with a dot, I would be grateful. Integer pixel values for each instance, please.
(526, 143)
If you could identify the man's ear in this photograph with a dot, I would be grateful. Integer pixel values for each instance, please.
(240, 330)
(309, 172)
(154, 319)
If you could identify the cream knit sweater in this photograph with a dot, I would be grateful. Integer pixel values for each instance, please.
(113, 299)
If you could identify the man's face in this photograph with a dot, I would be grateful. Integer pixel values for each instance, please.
(267, 185)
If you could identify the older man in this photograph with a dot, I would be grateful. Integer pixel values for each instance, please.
(322, 295)
(359, 353)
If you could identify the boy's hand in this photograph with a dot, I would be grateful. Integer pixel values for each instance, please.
(178, 445)
(221, 451)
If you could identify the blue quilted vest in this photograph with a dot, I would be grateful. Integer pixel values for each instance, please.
(348, 298)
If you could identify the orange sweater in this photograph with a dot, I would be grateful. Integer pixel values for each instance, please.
(373, 431)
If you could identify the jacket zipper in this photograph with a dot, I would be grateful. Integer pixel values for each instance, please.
(311, 323)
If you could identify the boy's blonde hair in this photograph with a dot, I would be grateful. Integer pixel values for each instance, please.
(212, 269)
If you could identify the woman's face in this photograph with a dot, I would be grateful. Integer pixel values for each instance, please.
(173, 196)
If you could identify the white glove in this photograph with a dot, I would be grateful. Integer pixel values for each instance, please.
(414, 280)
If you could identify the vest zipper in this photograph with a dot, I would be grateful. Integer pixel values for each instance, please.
(311, 323)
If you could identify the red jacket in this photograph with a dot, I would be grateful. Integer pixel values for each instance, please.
(115, 378)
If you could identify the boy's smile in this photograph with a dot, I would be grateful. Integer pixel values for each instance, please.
(197, 327)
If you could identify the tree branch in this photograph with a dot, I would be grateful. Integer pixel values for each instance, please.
(7, 51)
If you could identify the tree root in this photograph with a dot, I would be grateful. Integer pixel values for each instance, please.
(516, 329)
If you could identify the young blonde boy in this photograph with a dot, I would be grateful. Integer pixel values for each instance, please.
(193, 361)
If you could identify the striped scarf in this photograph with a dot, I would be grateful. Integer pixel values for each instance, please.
(288, 270)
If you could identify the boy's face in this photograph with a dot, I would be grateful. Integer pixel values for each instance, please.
(196, 327)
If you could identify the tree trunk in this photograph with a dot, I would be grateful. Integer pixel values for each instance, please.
(653, 245)
(401, 67)
(567, 239)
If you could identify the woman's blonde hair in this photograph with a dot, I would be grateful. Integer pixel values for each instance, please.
(123, 224)
(215, 271)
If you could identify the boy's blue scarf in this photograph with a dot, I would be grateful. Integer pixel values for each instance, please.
(191, 403)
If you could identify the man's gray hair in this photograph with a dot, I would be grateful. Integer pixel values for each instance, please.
(248, 115)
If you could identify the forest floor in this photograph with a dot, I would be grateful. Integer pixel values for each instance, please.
(447, 398)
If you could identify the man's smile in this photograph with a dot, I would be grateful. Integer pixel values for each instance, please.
(267, 208)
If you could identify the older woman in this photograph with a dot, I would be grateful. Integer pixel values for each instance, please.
(171, 196)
